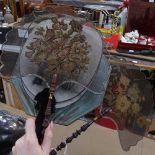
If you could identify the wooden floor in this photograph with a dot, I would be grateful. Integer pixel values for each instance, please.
(100, 141)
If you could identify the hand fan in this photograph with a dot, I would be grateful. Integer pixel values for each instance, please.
(61, 45)
(130, 95)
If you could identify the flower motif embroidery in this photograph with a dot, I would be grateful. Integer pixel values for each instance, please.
(61, 49)
(133, 93)
(135, 108)
(122, 103)
(142, 121)
(124, 80)
(125, 96)
(121, 86)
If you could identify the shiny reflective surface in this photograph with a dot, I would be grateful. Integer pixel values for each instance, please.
(11, 129)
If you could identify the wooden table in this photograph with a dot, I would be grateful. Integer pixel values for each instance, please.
(140, 61)
(96, 141)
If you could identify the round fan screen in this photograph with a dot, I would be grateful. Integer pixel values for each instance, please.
(62, 46)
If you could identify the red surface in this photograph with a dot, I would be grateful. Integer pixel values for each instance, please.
(114, 39)
(107, 122)
(110, 121)
(150, 43)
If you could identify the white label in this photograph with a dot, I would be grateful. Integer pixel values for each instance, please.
(11, 48)
(23, 33)
(151, 1)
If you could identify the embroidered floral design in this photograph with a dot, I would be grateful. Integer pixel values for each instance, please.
(124, 80)
(135, 108)
(122, 103)
(134, 92)
(142, 121)
(62, 49)
(126, 98)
